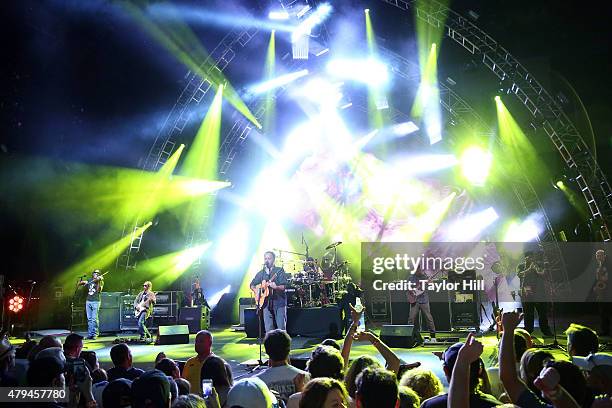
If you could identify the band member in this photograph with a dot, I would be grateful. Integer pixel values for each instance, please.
(532, 293)
(419, 302)
(197, 294)
(601, 290)
(94, 286)
(143, 306)
(275, 307)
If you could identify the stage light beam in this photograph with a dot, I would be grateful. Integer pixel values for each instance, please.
(274, 83)
(233, 246)
(471, 226)
(201, 162)
(475, 165)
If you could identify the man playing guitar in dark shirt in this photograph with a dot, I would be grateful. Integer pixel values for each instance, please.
(268, 285)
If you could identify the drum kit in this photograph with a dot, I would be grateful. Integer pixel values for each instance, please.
(315, 282)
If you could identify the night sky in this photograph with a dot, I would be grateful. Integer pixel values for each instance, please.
(82, 82)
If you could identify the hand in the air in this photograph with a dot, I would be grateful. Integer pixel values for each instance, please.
(510, 320)
(471, 349)
(355, 315)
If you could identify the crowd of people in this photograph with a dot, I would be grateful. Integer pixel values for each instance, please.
(525, 376)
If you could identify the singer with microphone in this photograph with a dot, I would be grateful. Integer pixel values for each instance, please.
(269, 285)
(92, 304)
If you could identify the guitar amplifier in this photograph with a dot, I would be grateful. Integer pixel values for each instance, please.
(196, 318)
(126, 307)
(110, 311)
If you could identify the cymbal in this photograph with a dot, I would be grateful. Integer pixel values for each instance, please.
(332, 246)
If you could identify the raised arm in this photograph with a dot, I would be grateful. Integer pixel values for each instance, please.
(459, 387)
(507, 361)
(350, 333)
(392, 361)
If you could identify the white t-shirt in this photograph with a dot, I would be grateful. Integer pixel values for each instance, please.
(280, 379)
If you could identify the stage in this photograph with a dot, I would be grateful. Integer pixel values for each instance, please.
(237, 350)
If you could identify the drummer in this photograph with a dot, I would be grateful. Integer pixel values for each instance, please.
(311, 268)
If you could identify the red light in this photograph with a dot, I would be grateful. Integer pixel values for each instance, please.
(16, 303)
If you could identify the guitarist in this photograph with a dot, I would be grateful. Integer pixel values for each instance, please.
(143, 308)
(92, 304)
(601, 290)
(419, 302)
(275, 304)
(532, 293)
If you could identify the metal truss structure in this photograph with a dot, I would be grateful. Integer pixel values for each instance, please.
(513, 75)
(541, 105)
(195, 91)
(461, 112)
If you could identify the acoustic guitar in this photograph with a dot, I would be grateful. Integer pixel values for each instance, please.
(262, 291)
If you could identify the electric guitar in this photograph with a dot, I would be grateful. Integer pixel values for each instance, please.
(414, 294)
(143, 306)
(262, 291)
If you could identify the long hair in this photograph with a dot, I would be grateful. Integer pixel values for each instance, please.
(356, 367)
(315, 392)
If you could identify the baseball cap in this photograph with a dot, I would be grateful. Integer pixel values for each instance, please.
(55, 353)
(251, 393)
(592, 360)
(117, 393)
(153, 386)
(450, 355)
(6, 348)
(48, 364)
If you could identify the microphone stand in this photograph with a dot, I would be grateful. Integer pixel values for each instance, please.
(258, 312)
(555, 344)
(29, 315)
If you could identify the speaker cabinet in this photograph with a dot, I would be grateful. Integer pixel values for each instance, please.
(250, 323)
(400, 335)
(177, 334)
(196, 318)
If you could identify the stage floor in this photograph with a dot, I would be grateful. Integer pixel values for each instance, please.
(234, 347)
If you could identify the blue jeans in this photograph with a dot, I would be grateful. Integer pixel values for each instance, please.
(142, 329)
(280, 315)
(92, 307)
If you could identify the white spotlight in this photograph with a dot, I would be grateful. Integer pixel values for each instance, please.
(369, 71)
(471, 226)
(233, 246)
(405, 128)
(528, 230)
(278, 15)
(278, 81)
(321, 91)
(214, 299)
(314, 19)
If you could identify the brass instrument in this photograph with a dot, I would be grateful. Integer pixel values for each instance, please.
(600, 285)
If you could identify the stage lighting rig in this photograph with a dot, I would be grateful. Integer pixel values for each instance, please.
(16, 304)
